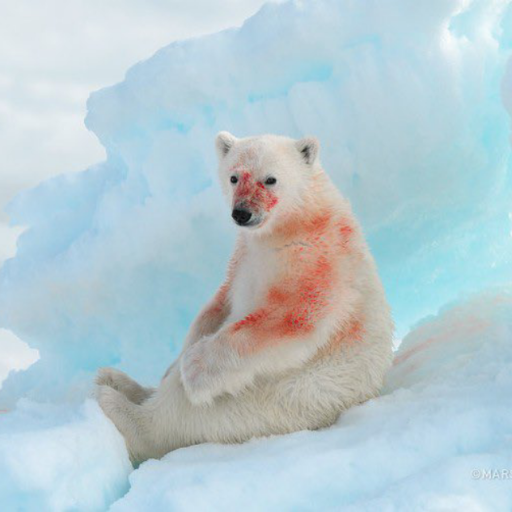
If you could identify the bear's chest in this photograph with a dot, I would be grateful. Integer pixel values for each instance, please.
(256, 272)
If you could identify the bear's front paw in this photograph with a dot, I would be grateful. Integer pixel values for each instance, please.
(109, 399)
(109, 377)
(201, 371)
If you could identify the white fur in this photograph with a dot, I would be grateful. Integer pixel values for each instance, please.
(279, 370)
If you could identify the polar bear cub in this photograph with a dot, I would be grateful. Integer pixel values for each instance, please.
(299, 331)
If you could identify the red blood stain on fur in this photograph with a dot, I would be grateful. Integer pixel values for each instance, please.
(291, 309)
(346, 230)
(251, 320)
(254, 194)
(355, 330)
(343, 337)
(309, 228)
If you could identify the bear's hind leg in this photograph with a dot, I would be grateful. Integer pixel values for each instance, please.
(119, 381)
(129, 419)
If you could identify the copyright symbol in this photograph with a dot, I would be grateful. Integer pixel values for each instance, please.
(476, 474)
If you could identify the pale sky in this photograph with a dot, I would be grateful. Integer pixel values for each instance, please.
(52, 55)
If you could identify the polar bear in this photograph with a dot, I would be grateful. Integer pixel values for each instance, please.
(299, 331)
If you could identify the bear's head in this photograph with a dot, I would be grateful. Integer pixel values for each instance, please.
(265, 178)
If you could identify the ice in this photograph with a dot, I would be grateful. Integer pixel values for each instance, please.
(410, 103)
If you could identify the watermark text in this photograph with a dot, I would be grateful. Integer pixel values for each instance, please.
(491, 474)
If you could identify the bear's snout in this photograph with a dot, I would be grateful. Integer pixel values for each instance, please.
(241, 216)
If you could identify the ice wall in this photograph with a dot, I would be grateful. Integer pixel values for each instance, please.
(406, 98)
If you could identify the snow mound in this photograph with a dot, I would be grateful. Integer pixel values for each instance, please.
(438, 439)
(405, 99)
(60, 458)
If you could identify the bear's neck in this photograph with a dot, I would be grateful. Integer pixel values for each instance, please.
(318, 207)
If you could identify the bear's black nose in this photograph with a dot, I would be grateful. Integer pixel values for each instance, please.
(241, 217)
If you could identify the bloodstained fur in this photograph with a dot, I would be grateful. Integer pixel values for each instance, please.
(302, 299)
(253, 194)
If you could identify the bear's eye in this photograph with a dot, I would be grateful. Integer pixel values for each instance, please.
(270, 181)
(233, 179)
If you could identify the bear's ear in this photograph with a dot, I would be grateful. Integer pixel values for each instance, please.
(224, 142)
(309, 147)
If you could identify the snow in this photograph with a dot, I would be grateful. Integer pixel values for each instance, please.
(57, 457)
(410, 103)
